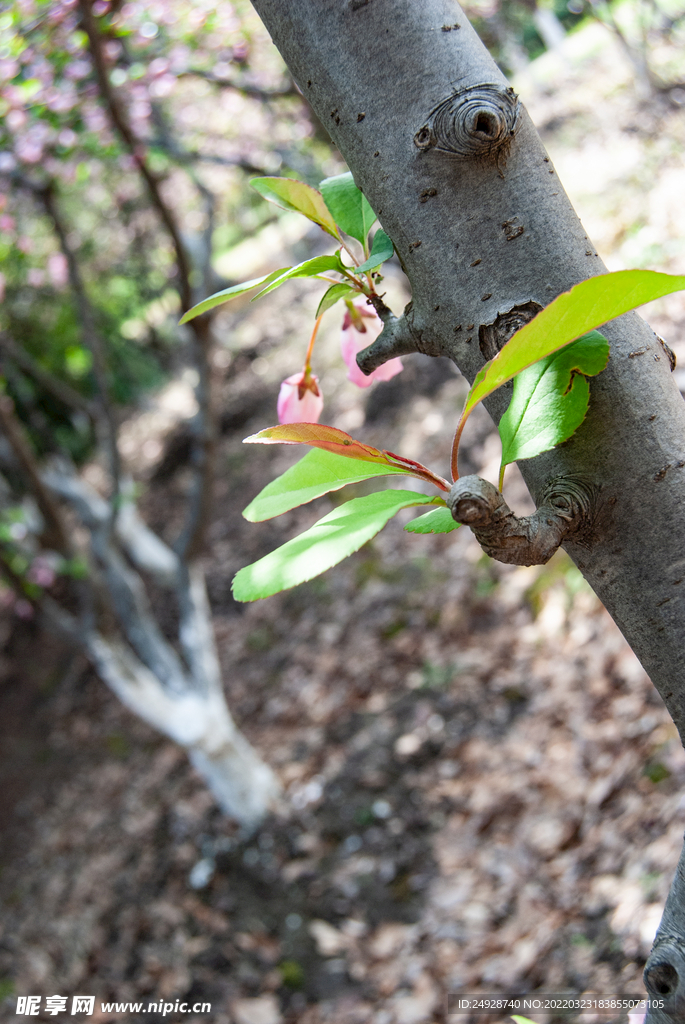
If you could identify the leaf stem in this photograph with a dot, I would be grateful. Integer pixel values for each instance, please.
(348, 250)
(328, 280)
(455, 447)
(355, 280)
(307, 360)
(418, 470)
(501, 476)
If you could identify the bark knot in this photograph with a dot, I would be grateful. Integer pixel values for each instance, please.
(493, 337)
(664, 975)
(479, 121)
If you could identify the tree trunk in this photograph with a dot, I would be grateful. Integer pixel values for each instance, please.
(550, 29)
(182, 696)
(241, 782)
(456, 172)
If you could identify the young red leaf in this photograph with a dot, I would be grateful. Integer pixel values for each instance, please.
(320, 435)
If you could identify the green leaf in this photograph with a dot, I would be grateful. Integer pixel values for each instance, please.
(229, 293)
(521, 1020)
(334, 293)
(317, 473)
(348, 204)
(438, 521)
(550, 398)
(331, 439)
(586, 306)
(310, 268)
(337, 535)
(290, 194)
(381, 250)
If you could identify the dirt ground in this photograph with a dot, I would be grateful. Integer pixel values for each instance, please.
(483, 788)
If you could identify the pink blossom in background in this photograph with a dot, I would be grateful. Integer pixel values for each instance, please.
(159, 66)
(300, 400)
(67, 138)
(58, 270)
(23, 609)
(163, 86)
(35, 277)
(16, 119)
(359, 331)
(29, 151)
(77, 69)
(41, 572)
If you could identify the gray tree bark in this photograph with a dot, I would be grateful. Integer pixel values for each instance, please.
(460, 181)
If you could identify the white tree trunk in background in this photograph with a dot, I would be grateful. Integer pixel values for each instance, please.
(182, 698)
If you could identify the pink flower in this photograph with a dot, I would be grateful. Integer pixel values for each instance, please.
(35, 277)
(23, 608)
(58, 270)
(361, 327)
(300, 399)
(41, 573)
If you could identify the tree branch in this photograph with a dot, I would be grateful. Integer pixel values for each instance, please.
(56, 536)
(145, 549)
(195, 631)
(242, 87)
(91, 335)
(192, 537)
(400, 336)
(242, 783)
(565, 510)
(123, 128)
(190, 156)
(59, 389)
(125, 589)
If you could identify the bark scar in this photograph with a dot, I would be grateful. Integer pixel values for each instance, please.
(565, 511)
(669, 353)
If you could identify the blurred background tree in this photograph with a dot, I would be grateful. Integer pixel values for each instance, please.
(118, 197)
(649, 32)
(206, 104)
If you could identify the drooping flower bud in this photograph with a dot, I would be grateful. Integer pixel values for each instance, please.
(361, 327)
(300, 399)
